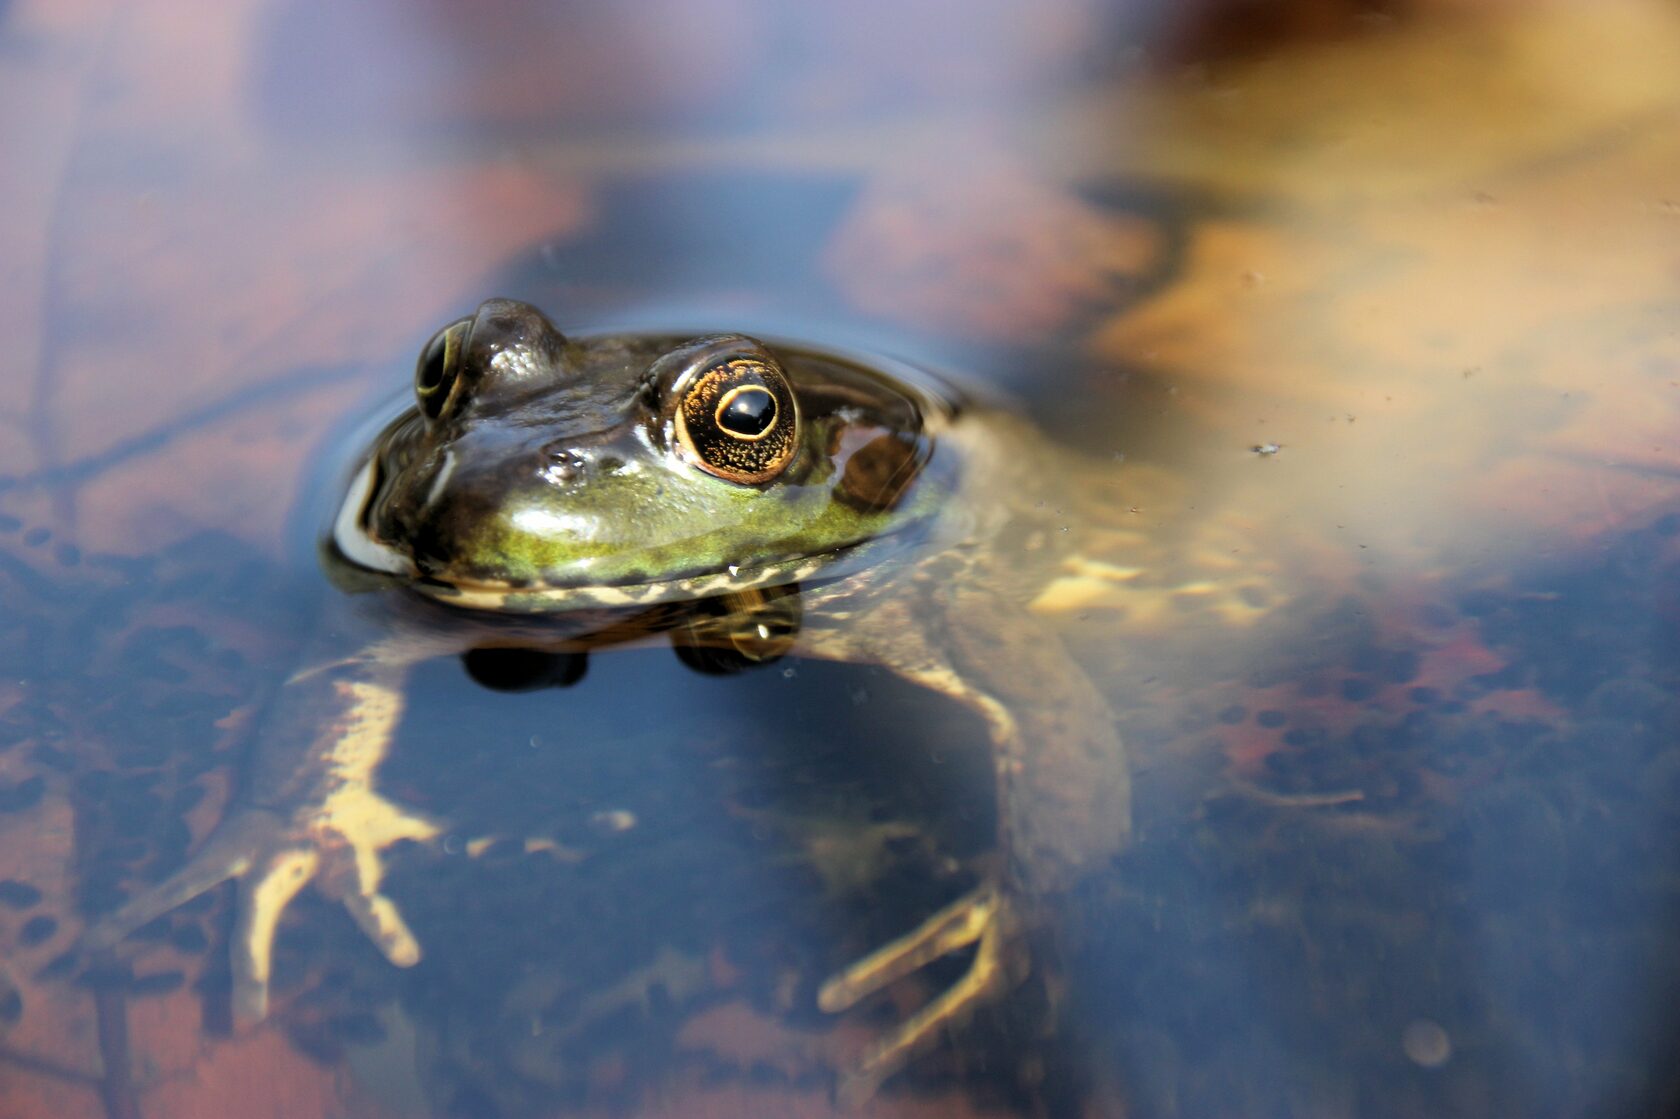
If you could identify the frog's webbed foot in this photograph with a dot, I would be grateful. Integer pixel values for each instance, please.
(275, 855)
(985, 918)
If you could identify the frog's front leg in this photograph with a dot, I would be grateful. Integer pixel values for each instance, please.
(1064, 806)
(309, 812)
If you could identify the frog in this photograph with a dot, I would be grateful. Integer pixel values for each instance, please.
(567, 492)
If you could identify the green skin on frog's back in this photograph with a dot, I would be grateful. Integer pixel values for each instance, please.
(552, 491)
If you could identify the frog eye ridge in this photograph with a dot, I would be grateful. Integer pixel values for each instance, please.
(736, 419)
(439, 368)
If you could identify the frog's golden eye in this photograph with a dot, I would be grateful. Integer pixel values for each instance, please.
(738, 420)
(439, 368)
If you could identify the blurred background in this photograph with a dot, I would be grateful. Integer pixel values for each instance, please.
(1424, 253)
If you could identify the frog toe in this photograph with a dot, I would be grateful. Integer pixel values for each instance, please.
(985, 919)
(270, 886)
(363, 823)
(228, 853)
(382, 922)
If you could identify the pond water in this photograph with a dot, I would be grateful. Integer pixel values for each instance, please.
(1351, 334)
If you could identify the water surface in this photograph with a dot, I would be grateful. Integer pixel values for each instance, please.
(1385, 303)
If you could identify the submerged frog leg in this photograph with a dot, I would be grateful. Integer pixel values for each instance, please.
(977, 917)
(356, 817)
(1063, 789)
(310, 813)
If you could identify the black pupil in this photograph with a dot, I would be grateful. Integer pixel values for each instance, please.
(749, 412)
(431, 364)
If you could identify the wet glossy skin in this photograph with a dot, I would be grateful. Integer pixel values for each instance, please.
(547, 474)
(570, 493)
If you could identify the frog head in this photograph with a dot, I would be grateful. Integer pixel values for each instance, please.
(538, 472)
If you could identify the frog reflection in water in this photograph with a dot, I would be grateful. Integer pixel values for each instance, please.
(552, 492)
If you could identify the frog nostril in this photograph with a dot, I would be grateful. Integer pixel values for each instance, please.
(562, 465)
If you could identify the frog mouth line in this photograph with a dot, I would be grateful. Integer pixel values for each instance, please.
(358, 547)
(539, 599)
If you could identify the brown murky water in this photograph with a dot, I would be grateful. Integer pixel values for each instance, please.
(1393, 292)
